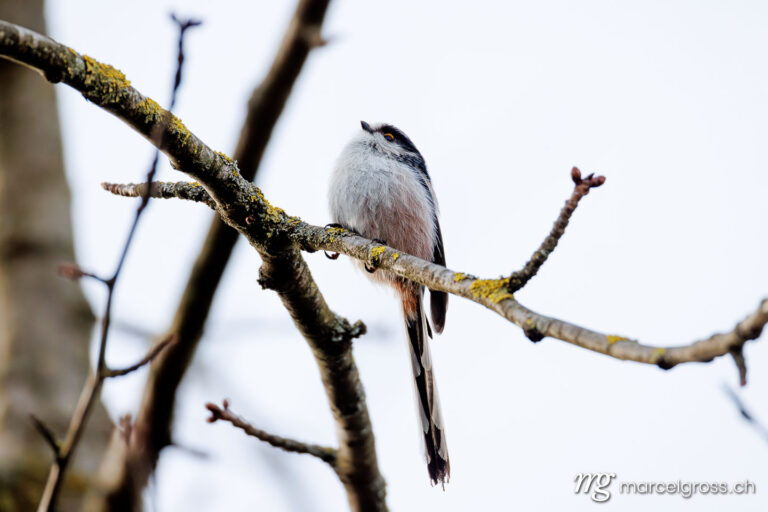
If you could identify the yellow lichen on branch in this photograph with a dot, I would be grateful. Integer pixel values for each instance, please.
(225, 157)
(494, 290)
(271, 213)
(151, 109)
(179, 130)
(334, 231)
(376, 253)
(105, 83)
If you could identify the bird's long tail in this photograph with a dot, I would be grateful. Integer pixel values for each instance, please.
(438, 465)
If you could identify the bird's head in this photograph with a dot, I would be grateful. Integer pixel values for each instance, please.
(389, 140)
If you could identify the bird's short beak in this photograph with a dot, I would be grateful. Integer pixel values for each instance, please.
(366, 126)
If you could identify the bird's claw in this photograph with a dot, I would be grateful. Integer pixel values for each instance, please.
(369, 268)
(333, 255)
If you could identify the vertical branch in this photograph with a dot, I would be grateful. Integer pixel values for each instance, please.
(93, 384)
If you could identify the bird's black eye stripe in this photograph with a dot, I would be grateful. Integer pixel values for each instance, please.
(401, 139)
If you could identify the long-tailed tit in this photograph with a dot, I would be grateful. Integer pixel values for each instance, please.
(381, 190)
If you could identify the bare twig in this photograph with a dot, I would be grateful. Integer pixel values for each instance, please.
(151, 354)
(183, 25)
(748, 416)
(737, 352)
(94, 382)
(47, 434)
(324, 453)
(582, 187)
(189, 191)
(72, 271)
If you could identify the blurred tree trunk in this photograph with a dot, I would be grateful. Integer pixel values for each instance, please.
(45, 323)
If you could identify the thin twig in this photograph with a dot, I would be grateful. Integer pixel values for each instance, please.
(47, 434)
(748, 416)
(186, 190)
(183, 25)
(151, 354)
(94, 382)
(737, 352)
(324, 453)
(72, 271)
(582, 187)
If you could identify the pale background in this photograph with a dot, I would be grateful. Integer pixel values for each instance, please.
(666, 99)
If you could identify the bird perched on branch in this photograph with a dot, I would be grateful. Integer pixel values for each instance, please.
(381, 190)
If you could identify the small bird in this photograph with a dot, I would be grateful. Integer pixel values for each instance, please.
(381, 190)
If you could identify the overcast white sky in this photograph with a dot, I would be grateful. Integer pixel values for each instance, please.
(666, 99)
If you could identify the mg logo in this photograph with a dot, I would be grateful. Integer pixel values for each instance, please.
(594, 484)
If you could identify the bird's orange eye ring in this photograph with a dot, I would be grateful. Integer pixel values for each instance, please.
(389, 137)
